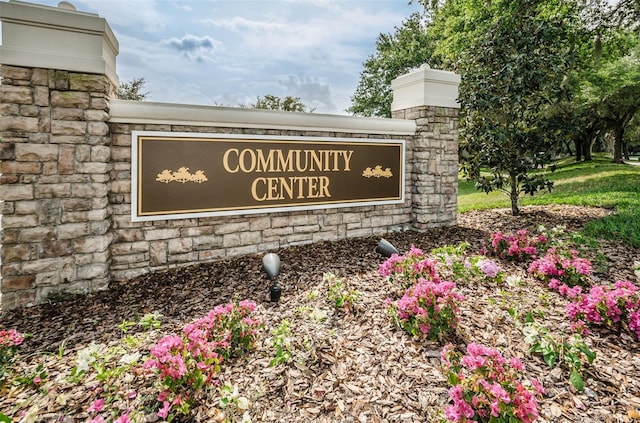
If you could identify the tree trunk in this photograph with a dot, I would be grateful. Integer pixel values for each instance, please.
(625, 150)
(617, 146)
(586, 148)
(514, 195)
(583, 147)
(568, 146)
(578, 150)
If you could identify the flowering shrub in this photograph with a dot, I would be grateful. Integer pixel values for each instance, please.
(485, 387)
(428, 308)
(565, 271)
(484, 268)
(9, 341)
(519, 247)
(453, 261)
(410, 267)
(228, 329)
(608, 306)
(188, 362)
(452, 258)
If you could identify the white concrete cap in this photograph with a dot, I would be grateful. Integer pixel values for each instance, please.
(57, 38)
(425, 87)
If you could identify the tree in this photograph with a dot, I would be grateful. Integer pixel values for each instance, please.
(132, 90)
(603, 82)
(287, 104)
(611, 91)
(409, 47)
(512, 73)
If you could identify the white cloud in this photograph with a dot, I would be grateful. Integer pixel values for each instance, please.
(313, 93)
(194, 47)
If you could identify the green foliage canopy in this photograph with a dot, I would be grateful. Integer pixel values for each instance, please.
(273, 102)
(132, 90)
(409, 47)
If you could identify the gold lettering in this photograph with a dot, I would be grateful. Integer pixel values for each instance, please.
(265, 163)
(281, 188)
(287, 187)
(254, 189)
(347, 158)
(312, 187)
(315, 159)
(324, 187)
(335, 161)
(225, 160)
(301, 179)
(275, 160)
(242, 160)
(285, 164)
(272, 191)
(299, 167)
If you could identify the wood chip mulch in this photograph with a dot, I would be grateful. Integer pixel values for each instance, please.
(346, 365)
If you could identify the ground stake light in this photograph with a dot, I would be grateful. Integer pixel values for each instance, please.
(386, 249)
(271, 265)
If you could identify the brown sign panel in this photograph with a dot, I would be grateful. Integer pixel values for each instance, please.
(185, 175)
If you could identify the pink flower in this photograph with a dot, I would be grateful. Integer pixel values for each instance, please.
(164, 411)
(123, 419)
(96, 406)
(248, 305)
(537, 386)
(489, 268)
(516, 363)
(10, 338)
(485, 388)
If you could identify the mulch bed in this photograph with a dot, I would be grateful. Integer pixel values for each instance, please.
(346, 366)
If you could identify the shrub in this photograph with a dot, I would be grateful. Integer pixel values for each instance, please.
(519, 247)
(608, 306)
(485, 387)
(408, 268)
(188, 362)
(565, 271)
(9, 341)
(428, 308)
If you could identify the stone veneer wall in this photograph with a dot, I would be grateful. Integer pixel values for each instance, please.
(139, 247)
(434, 179)
(55, 165)
(66, 187)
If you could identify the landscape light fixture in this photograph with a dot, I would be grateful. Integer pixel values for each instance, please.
(386, 249)
(271, 265)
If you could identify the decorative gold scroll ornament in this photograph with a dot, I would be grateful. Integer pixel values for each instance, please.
(181, 175)
(377, 172)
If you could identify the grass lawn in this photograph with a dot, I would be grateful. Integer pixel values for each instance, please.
(599, 183)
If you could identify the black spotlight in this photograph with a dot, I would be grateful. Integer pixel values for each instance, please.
(271, 265)
(386, 249)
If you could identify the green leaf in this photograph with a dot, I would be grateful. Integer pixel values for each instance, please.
(550, 358)
(528, 318)
(591, 355)
(4, 418)
(453, 379)
(576, 380)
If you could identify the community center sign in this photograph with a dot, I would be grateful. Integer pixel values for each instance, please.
(186, 175)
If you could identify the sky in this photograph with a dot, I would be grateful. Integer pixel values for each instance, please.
(229, 52)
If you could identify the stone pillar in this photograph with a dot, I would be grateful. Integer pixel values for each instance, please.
(429, 97)
(57, 68)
